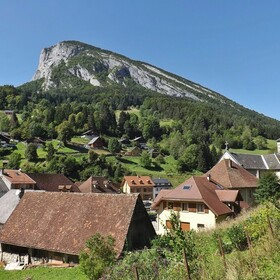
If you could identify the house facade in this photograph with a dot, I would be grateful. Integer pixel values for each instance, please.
(199, 203)
(160, 184)
(16, 179)
(96, 143)
(138, 184)
(58, 225)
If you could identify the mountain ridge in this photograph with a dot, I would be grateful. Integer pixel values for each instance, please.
(99, 67)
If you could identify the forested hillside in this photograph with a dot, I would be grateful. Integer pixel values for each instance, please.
(190, 131)
(78, 87)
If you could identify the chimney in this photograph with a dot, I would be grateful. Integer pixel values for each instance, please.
(21, 193)
(209, 177)
(4, 165)
(229, 163)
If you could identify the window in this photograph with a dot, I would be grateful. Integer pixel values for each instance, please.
(200, 208)
(170, 205)
(200, 226)
(185, 206)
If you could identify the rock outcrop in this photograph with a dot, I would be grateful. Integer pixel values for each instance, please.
(100, 67)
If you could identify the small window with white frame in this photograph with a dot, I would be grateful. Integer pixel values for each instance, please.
(200, 208)
(185, 206)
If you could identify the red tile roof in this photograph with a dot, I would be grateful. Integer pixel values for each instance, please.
(62, 222)
(196, 189)
(51, 182)
(98, 184)
(138, 181)
(17, 177)
(231, 175)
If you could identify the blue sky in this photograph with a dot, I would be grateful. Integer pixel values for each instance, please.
(232, 47)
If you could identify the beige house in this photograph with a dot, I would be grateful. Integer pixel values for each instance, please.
(138, 184)
(16, 179)
(201, 204)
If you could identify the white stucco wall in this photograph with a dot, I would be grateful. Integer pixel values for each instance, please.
(207, 219)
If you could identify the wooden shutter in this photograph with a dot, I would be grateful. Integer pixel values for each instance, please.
(192, 207)
(185, 226)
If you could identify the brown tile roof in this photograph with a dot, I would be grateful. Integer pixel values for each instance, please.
(62, 222)
(51, 182)
(227, 195)
(17, 177)
(197, 189)
(231, 175)
(138, 181)
(98, 185)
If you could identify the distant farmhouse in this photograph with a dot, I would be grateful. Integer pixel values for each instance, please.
(96, 143)
(98, 184)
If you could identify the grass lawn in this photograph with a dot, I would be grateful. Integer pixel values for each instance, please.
(43, 273)
(166, 170)
(133, 110)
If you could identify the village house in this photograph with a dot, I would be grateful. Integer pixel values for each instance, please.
(96, 143)
(138, 184)
(133, 151)
(160, 184)
(4, 138)
(232, 176)
(53, 182)
(256, 164)
(98, 184)
(16, 179)
(201, 204)
(55, 226)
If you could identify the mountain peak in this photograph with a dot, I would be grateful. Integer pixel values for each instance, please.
(63, 64)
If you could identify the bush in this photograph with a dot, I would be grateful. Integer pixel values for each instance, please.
(98, 255)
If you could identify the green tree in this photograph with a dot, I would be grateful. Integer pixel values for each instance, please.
(97, 256)
(114, 146)
(65, 131)
(92, 156)
(50, 151)
(14, 160)
(145, 160)
(268, 188)
(260, 142)
(31, 152)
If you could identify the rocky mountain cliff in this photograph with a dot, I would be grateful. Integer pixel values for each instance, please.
(69, 63)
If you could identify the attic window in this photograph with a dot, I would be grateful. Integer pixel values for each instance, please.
(186, 188)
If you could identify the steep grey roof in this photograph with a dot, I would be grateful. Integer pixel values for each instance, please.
(3, 188)
(8, 202)
(93, 140)
(259, 162)
(161, 181)
(250, 161)
(272, 161)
